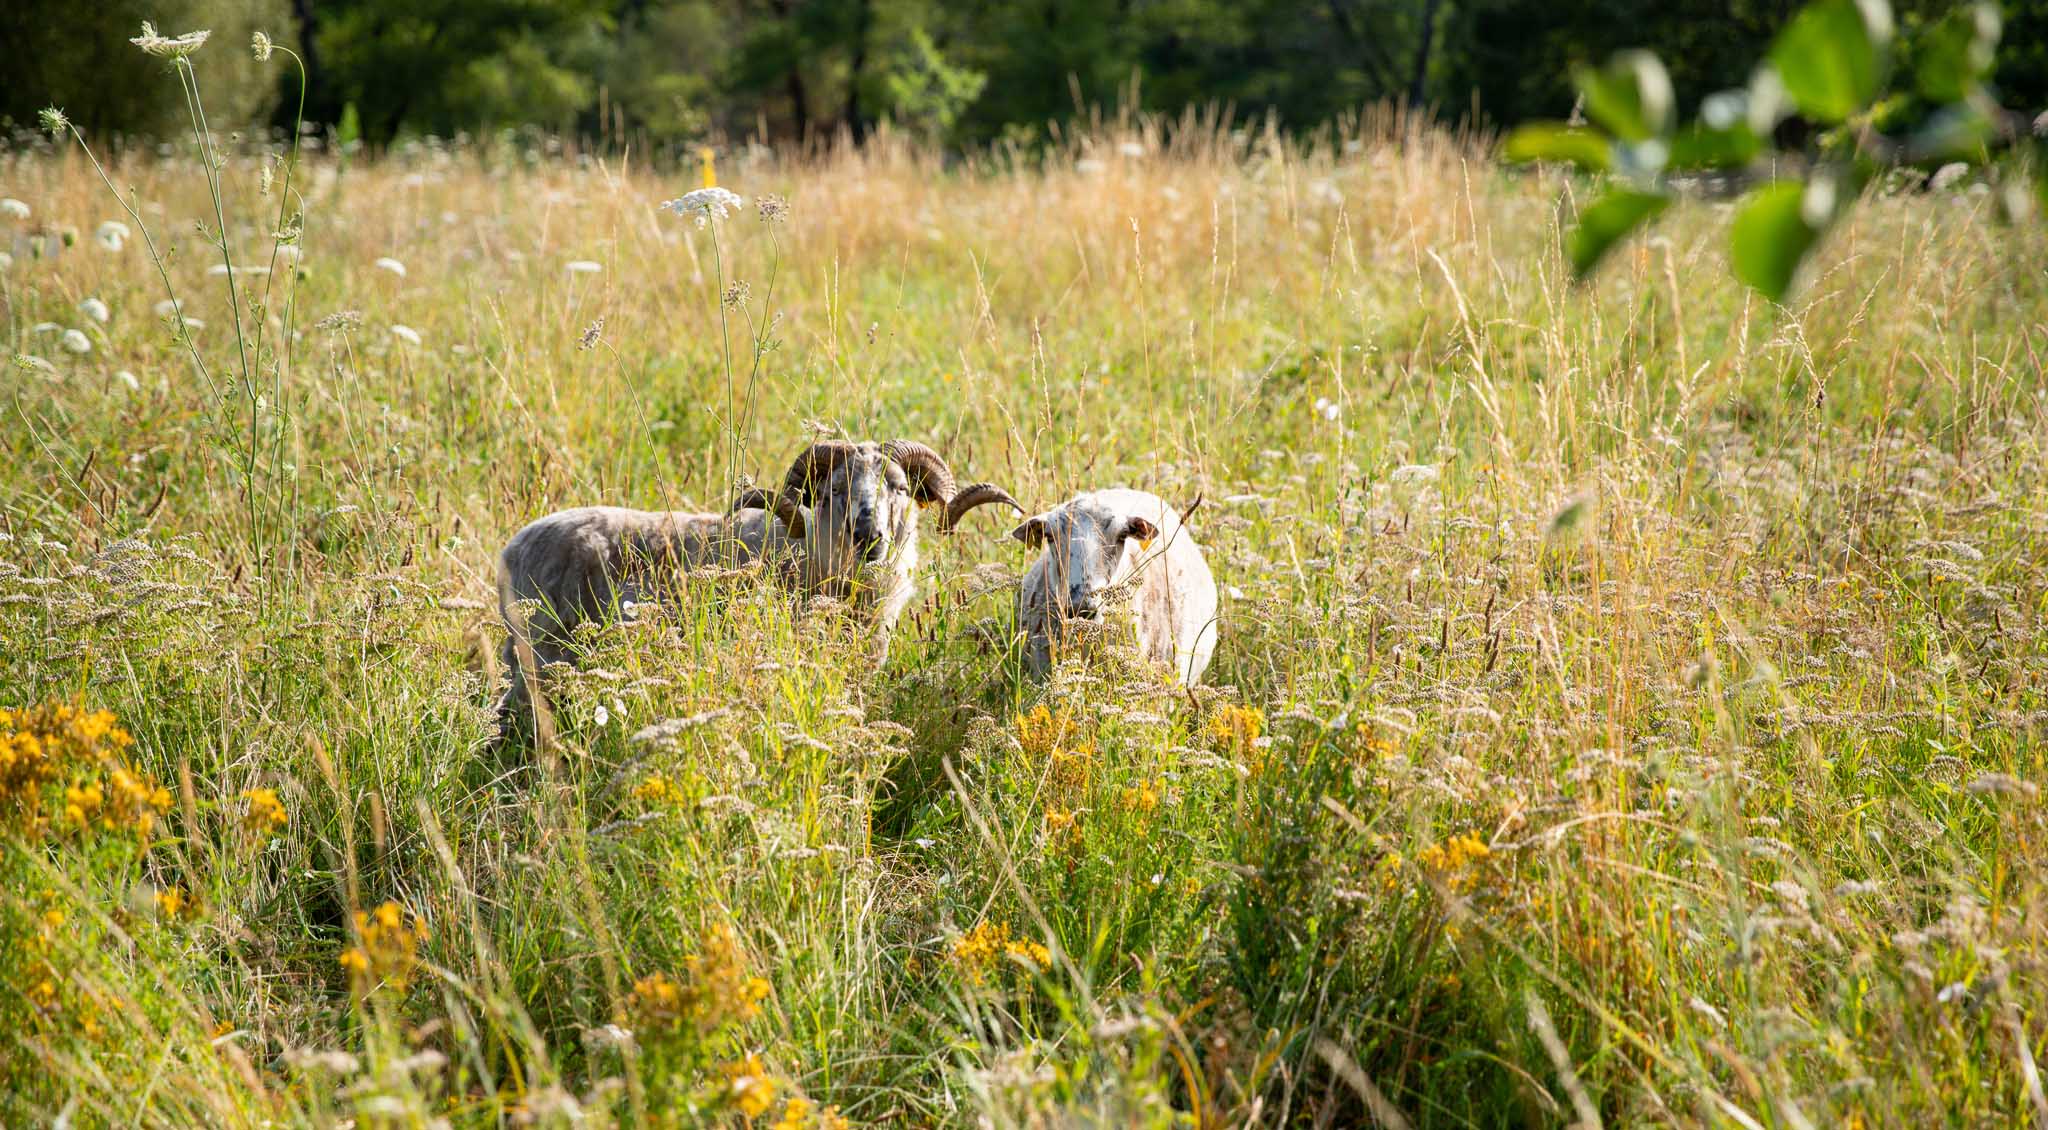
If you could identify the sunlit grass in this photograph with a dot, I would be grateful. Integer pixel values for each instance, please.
(1629, 698)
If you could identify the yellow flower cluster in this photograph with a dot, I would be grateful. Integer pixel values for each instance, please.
(1458, 863)
(173, 902)
(803, 1114)
(1040, 732)
(749, 1086)
(1141, 799)
(265, 816)
(1052, 740)
(657, 791)
(387, 948)
(56, 1004)
(121, 802)
(42, 745)
(1372, 744)
(719, 992)
(1235, 730)
(976, 951)
(1062, 828)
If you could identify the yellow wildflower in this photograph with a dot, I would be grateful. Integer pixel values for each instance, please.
(1372, 744)
(387, 948)
(976, 950)
(173, 902)
(656, 791)
(1235, 730)
(265, 815)
(749, 1086)
(1062, 829)
(803, 1114)
(720, 991)
(1141, 799)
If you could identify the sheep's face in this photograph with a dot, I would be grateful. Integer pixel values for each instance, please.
(1090, 549)
(863, 512)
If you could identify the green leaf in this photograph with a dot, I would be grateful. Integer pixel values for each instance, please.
(1831, 56)
(1772, 234)
(1958, 53)
(1554, 141)
(1606, 222)
(1630, 96)
(1704, 147)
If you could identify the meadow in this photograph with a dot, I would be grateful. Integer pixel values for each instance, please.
(1628, 707)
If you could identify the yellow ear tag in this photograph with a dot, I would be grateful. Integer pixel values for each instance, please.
(927, 504)
(1144, 543)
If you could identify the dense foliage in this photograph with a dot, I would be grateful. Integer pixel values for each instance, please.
(672, 71)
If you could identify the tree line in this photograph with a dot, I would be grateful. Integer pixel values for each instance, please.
(669, 73)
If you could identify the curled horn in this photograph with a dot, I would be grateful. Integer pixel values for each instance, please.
(973, 495)
(748, 497)
(812, 467)
(930, 479)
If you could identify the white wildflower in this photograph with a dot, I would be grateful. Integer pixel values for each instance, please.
(112, 234)
(1089, 166)
(584, 267)
(33, 363)
(128, 378)
(705, 204)
(76, 342)
(604, 715)
(405, 334)
(45, 328)
(261, 45)
(1130, 149)
(95, 309)
(9, 206)
(1327, 408)
(387, 263)
(169, 47)
(167, 308)
(1415, 475)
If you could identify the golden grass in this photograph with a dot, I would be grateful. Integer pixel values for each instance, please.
(1629, 699)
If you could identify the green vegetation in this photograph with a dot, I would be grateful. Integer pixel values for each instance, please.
(1628, 708)
(663, 75)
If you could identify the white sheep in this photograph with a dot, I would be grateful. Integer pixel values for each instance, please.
(843, 526)
(1110, 552)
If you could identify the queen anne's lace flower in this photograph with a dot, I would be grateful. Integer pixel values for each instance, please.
(169, 47)
(705, 204)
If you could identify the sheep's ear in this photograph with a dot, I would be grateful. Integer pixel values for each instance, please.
(1032, 532)
(1143, 530)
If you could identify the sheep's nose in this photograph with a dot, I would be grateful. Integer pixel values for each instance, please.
(1082, 607)
(867, 538)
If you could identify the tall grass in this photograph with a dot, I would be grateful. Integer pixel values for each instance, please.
(1628, 707)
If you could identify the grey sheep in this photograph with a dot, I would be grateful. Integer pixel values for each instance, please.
(844, 526)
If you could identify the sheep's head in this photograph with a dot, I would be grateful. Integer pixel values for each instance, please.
(855, 504)
(1091, 548)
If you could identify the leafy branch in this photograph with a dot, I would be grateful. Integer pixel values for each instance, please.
(1827, 79)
